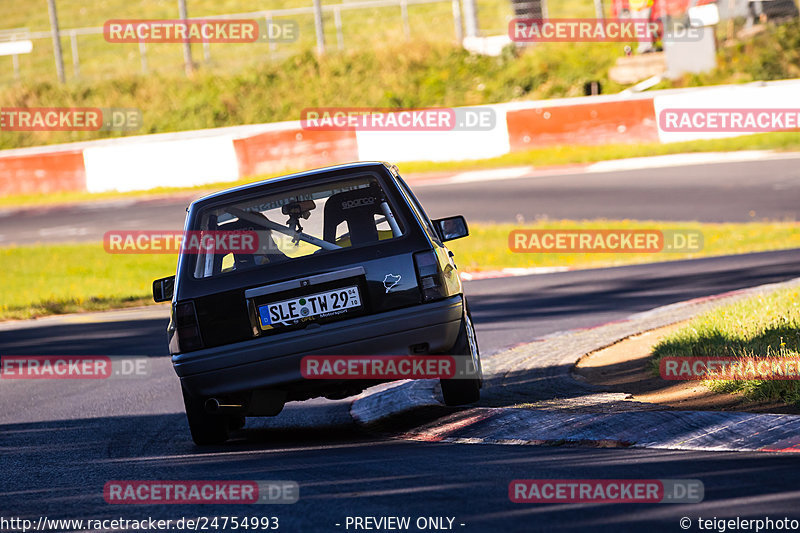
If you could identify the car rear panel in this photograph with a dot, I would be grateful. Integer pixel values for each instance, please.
(232, 316)
(383, 274)
(275, 362)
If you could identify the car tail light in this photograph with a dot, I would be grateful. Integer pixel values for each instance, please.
(187, 327)
(430, 277)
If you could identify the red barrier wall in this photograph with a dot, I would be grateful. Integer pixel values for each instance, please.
(625, 121)
(295, 149)
(42, 173)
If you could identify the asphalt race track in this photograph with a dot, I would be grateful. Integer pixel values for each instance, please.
(722, 192)
(507, 311)
(61, 441)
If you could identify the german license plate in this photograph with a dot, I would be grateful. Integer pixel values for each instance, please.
(319, 305)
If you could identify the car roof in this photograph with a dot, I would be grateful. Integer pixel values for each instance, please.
(298, 176)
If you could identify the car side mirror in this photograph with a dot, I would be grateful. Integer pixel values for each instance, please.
(163, 289)
(451, 228)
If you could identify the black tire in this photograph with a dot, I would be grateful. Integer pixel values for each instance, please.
(206, 428)
(464, 391)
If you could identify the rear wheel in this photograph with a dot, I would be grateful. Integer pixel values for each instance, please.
(463, 391)
(205, 428)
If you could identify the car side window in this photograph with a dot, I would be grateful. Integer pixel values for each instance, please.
(417, 207)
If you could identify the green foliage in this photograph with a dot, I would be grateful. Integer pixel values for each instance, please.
(766, 325)
(52, 279)
(773, 54)
(399, 74)
(412, 75)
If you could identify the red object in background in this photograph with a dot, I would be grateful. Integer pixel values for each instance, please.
(668, 7)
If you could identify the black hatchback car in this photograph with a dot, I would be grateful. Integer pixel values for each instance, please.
(357, 268)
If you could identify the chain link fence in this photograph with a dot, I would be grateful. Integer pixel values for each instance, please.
(30, 56)
(351, 24)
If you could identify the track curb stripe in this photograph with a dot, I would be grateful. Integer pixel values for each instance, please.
(582, 422)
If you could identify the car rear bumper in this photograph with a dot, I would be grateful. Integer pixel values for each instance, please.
(274, 361)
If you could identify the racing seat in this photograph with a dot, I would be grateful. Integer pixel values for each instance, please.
(242, 260)
(358, 208)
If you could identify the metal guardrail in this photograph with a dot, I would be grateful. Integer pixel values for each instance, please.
(12, 35)
(334, 8)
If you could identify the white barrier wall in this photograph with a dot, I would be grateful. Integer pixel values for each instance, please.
(775, 95)
(189, 158)
(399, 146)
(179, 163)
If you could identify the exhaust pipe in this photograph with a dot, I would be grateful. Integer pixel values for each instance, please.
(212, 405)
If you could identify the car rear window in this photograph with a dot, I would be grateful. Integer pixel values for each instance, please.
(317, 219)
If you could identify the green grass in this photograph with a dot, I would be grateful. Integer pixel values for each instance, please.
(762, 326)
(52, 279)
(422, 72)
(417, 74)
(76, 13)
(361, 28)
(100, 59)
(55, 279)
(572, 154)
(487, 246)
